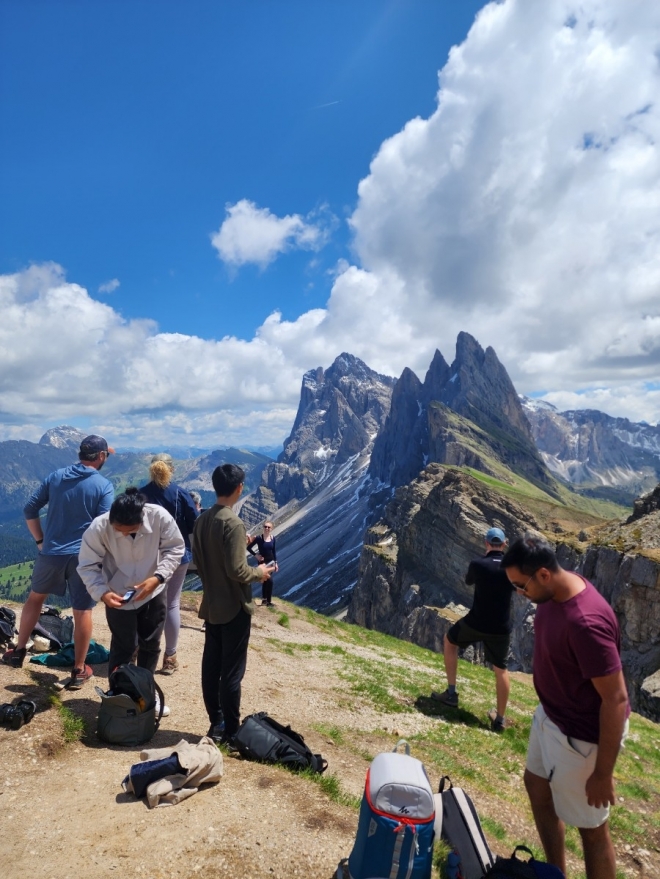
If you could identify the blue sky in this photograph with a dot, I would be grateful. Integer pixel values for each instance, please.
(133, 124)
(200, 201)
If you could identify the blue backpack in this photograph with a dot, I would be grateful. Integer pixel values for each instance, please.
(395, 829)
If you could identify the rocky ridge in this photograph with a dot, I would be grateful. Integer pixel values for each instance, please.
(611, 457)
(477, 388)
(340, 412)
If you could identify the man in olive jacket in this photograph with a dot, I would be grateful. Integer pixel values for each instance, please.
(218, 547)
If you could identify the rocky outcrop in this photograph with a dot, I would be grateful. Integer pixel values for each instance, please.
(476, 388)
(411, 581)
(340, 412)
(412, 568)
(610, 457)
(642, 506)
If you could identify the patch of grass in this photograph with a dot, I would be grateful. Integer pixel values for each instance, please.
(283, 620)
(332, 732)
(73, 726)
(493, 827)
(332, 788)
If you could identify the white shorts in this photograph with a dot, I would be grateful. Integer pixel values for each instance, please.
(566, 763)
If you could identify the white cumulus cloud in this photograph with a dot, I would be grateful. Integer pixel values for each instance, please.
(250, 234)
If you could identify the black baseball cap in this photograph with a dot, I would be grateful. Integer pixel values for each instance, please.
(92, 445)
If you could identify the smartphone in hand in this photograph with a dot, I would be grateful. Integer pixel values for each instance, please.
(128, 595)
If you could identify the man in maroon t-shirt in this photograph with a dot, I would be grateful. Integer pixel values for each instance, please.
(582, 720)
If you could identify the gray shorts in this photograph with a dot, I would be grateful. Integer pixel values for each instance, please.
(53, 573)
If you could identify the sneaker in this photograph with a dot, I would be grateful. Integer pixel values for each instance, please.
(15, 657)
(166, 710)
(170, 665)
(495, 724)
(80, 676)
(447, 698)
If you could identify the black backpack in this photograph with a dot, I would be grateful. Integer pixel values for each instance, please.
(55, 627)
(514, 868)
(7, 625)
(262, 738)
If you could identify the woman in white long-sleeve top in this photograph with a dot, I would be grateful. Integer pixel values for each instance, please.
(126, 557)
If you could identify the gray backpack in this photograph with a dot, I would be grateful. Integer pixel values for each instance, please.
(127, 715)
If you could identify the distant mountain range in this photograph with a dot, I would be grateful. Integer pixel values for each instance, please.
(24, 464)
(359, 435)
(601, 455)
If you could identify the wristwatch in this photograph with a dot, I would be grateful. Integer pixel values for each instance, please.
(159, 577)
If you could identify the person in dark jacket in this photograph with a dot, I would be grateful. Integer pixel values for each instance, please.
(488, 622)
(179, 504)
(266, 552)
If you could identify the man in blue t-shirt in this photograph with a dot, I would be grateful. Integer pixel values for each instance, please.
(75, 496)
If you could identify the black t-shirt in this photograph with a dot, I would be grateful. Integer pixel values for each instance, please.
(491, 606)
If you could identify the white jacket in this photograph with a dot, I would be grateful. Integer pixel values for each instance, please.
(110, 561)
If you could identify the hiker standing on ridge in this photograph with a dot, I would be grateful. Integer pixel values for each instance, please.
(266, 552)
(219, 552)
(180, 505)
(488, 622)
(582, 720)
(75, 495)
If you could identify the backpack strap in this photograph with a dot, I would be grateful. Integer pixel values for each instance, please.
(161, 702)
(437, 823)
(402, 742)
(441, 787)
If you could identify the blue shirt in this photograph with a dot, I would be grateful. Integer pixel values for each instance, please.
(75, 496)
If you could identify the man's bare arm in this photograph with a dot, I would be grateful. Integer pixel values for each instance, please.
(613, 710)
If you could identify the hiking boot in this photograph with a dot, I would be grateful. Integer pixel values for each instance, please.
(170, 664)
(80, 676)
(495, 724)
(447, 698)
(15, 657)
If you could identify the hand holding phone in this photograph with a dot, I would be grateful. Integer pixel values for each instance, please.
(128, 595)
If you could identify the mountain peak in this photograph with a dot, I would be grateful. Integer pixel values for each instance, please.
(63, 437)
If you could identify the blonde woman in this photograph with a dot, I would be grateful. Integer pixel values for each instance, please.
(178, 503)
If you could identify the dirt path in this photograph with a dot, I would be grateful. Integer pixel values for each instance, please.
(69, 817)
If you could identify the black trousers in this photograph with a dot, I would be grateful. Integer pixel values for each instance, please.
(223, 667)
(267, 589)
(142, 627)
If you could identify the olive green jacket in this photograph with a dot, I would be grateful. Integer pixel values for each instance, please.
(219, 552)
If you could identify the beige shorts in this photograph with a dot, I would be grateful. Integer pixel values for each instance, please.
(566, 763)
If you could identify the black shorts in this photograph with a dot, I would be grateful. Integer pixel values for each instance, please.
(496, 647)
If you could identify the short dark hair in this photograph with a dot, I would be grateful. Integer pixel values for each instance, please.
(128, 508)
(226, 478)
(529, 554)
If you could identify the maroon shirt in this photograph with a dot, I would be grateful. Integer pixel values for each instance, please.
(574, 641)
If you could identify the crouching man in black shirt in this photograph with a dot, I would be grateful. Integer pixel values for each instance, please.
(489, 621)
